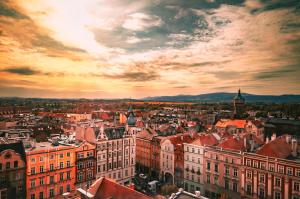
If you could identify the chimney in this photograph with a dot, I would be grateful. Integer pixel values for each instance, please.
(198, 194)
(273, 137)
(294, 147)
(267, 140)
(288, 139)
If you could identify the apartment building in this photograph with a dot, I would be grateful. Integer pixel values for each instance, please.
(116, 154)
(12, 170)
(85, 160)
(273, 171)
(50, 169)
(193, 162)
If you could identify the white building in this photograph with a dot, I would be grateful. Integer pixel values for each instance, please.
(193, 162)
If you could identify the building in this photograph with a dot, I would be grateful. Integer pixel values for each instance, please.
(231, 126)
(50, 169)
(273, 171)
(116, 154)
(238, 105)
(12, 170)
(193, 162)
(171, 157)
(85, 155)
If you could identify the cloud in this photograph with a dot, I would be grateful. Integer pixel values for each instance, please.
(141, 21)
(8, 11)
(21, 71)
(137, 76)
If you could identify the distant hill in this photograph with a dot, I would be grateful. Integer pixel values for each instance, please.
(225, 97)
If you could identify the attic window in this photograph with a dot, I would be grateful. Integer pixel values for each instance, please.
(7, 155)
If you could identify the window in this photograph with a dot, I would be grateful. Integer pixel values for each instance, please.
(61, 176)
(68, 188)
(226, 170)
(61, 155)
(216, 168)
(249, 189)
(216, 180)
(277, 195)
(249, 174)
(79, 176)
(51, 167)
(16, 164)
(7, 165)
(32, 183)
(277, 182)
(262, 165)
(51, 157)
(32, 170)
(41, 181)
(208, 179)
(261, 192)
(68, 154)
(61, 165)
(235, 172)
(51, 193)
(234, 186)
(32, 160)
(41, 169)
(289, 171)
(298, 173)
(51, 179)
(69, 175)
(271, 167)
(61, 190)
(296, 186)
(208, 165)
(68, 164)
(280, 169)
(32, 196)
(41, 195)
(41, 159)
(248, 163)
(255, 164)
(261, 178)
(226, 184)
(0, 166)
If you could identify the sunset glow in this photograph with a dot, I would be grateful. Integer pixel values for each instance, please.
(123, 48)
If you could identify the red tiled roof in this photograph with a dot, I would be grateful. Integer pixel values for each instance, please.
(107, 188)
(278, 148)
(146, 134)
(233, 143)
(238, 123)
(208, 140)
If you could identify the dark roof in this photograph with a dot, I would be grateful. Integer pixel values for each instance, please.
(17, 147)
(114, 132)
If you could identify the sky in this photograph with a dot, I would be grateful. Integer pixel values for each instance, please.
(135, 49)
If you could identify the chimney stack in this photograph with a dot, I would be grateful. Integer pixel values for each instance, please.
(198, 194)
(267, 140)
(273, 136)
(294, 147)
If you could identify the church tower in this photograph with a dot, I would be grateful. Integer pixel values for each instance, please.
(238, 105)
(130, 122)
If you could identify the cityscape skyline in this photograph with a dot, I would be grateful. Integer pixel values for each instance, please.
(129, 49)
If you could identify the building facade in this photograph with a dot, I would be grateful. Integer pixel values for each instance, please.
(85, 155)
(50, 170)
(116, 155)
(12, 171)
